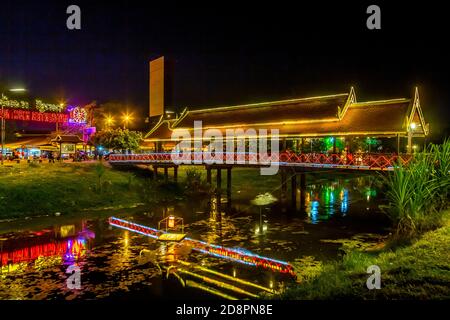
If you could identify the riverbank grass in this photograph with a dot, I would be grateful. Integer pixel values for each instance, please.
(42, 189)
(420, 270)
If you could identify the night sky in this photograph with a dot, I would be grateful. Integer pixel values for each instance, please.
(227, 53)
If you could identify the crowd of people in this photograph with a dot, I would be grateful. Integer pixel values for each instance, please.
(51, 156)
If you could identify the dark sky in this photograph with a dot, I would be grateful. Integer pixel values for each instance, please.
(227, 53)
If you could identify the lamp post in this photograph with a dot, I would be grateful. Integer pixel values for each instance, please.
(126, 119)
(109, 121)
(3, 121)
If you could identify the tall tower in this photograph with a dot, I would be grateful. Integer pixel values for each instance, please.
(160, 86)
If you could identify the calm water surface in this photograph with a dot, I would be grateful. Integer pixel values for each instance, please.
(117, 263)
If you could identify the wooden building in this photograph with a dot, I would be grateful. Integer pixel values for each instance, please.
(338, 115)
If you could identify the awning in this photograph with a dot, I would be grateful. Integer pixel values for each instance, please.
(34, 142)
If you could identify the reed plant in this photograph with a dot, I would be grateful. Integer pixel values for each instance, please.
(417, 193)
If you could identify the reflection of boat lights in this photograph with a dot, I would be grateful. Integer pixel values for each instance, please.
(234, 273)
(126, 238)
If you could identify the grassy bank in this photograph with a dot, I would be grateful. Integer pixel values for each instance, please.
(420, 270)
(31, 190)
(44, 189)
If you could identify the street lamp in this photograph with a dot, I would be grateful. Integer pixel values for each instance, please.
(412, 127)
(109, 120)
(3, 121)
(126, 119)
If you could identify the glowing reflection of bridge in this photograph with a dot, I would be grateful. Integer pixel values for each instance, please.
(232, 254)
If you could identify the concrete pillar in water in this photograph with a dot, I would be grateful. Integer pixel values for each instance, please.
(155, 172)
(166, 174)
(175, 174)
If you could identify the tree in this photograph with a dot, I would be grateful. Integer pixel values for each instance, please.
(118, 139)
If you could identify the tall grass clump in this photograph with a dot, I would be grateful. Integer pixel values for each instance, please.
(417, 193)
(440, 157)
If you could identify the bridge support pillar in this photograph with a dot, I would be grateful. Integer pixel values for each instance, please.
(302, 190)
(166, 172)
(229, 185)
(283, 186)
(208, 175)
(334, 150)
(294, 190)
(219, 179)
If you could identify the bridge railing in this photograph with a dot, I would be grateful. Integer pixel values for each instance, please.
(369, 161)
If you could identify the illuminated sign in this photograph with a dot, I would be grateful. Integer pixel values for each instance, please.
(78, 115)
(26, 115)
(67, 148)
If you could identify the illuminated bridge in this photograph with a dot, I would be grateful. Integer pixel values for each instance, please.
(330, 132)
(284, 159)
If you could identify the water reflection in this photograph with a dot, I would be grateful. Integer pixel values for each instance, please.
(324, 200)
(121, 263)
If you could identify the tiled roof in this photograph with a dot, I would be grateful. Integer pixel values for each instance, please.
(308, 117)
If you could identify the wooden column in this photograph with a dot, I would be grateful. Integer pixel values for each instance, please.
(175, 173)
(334, 150)
(302, 190)
(229, 184)
(166, 174)
(208, 174)
(152, 173)
(293, 190)
(283, 186)
(410, 142)
(219, 179)
(155, 172)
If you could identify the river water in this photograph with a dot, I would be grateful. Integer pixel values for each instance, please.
(117, 263)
